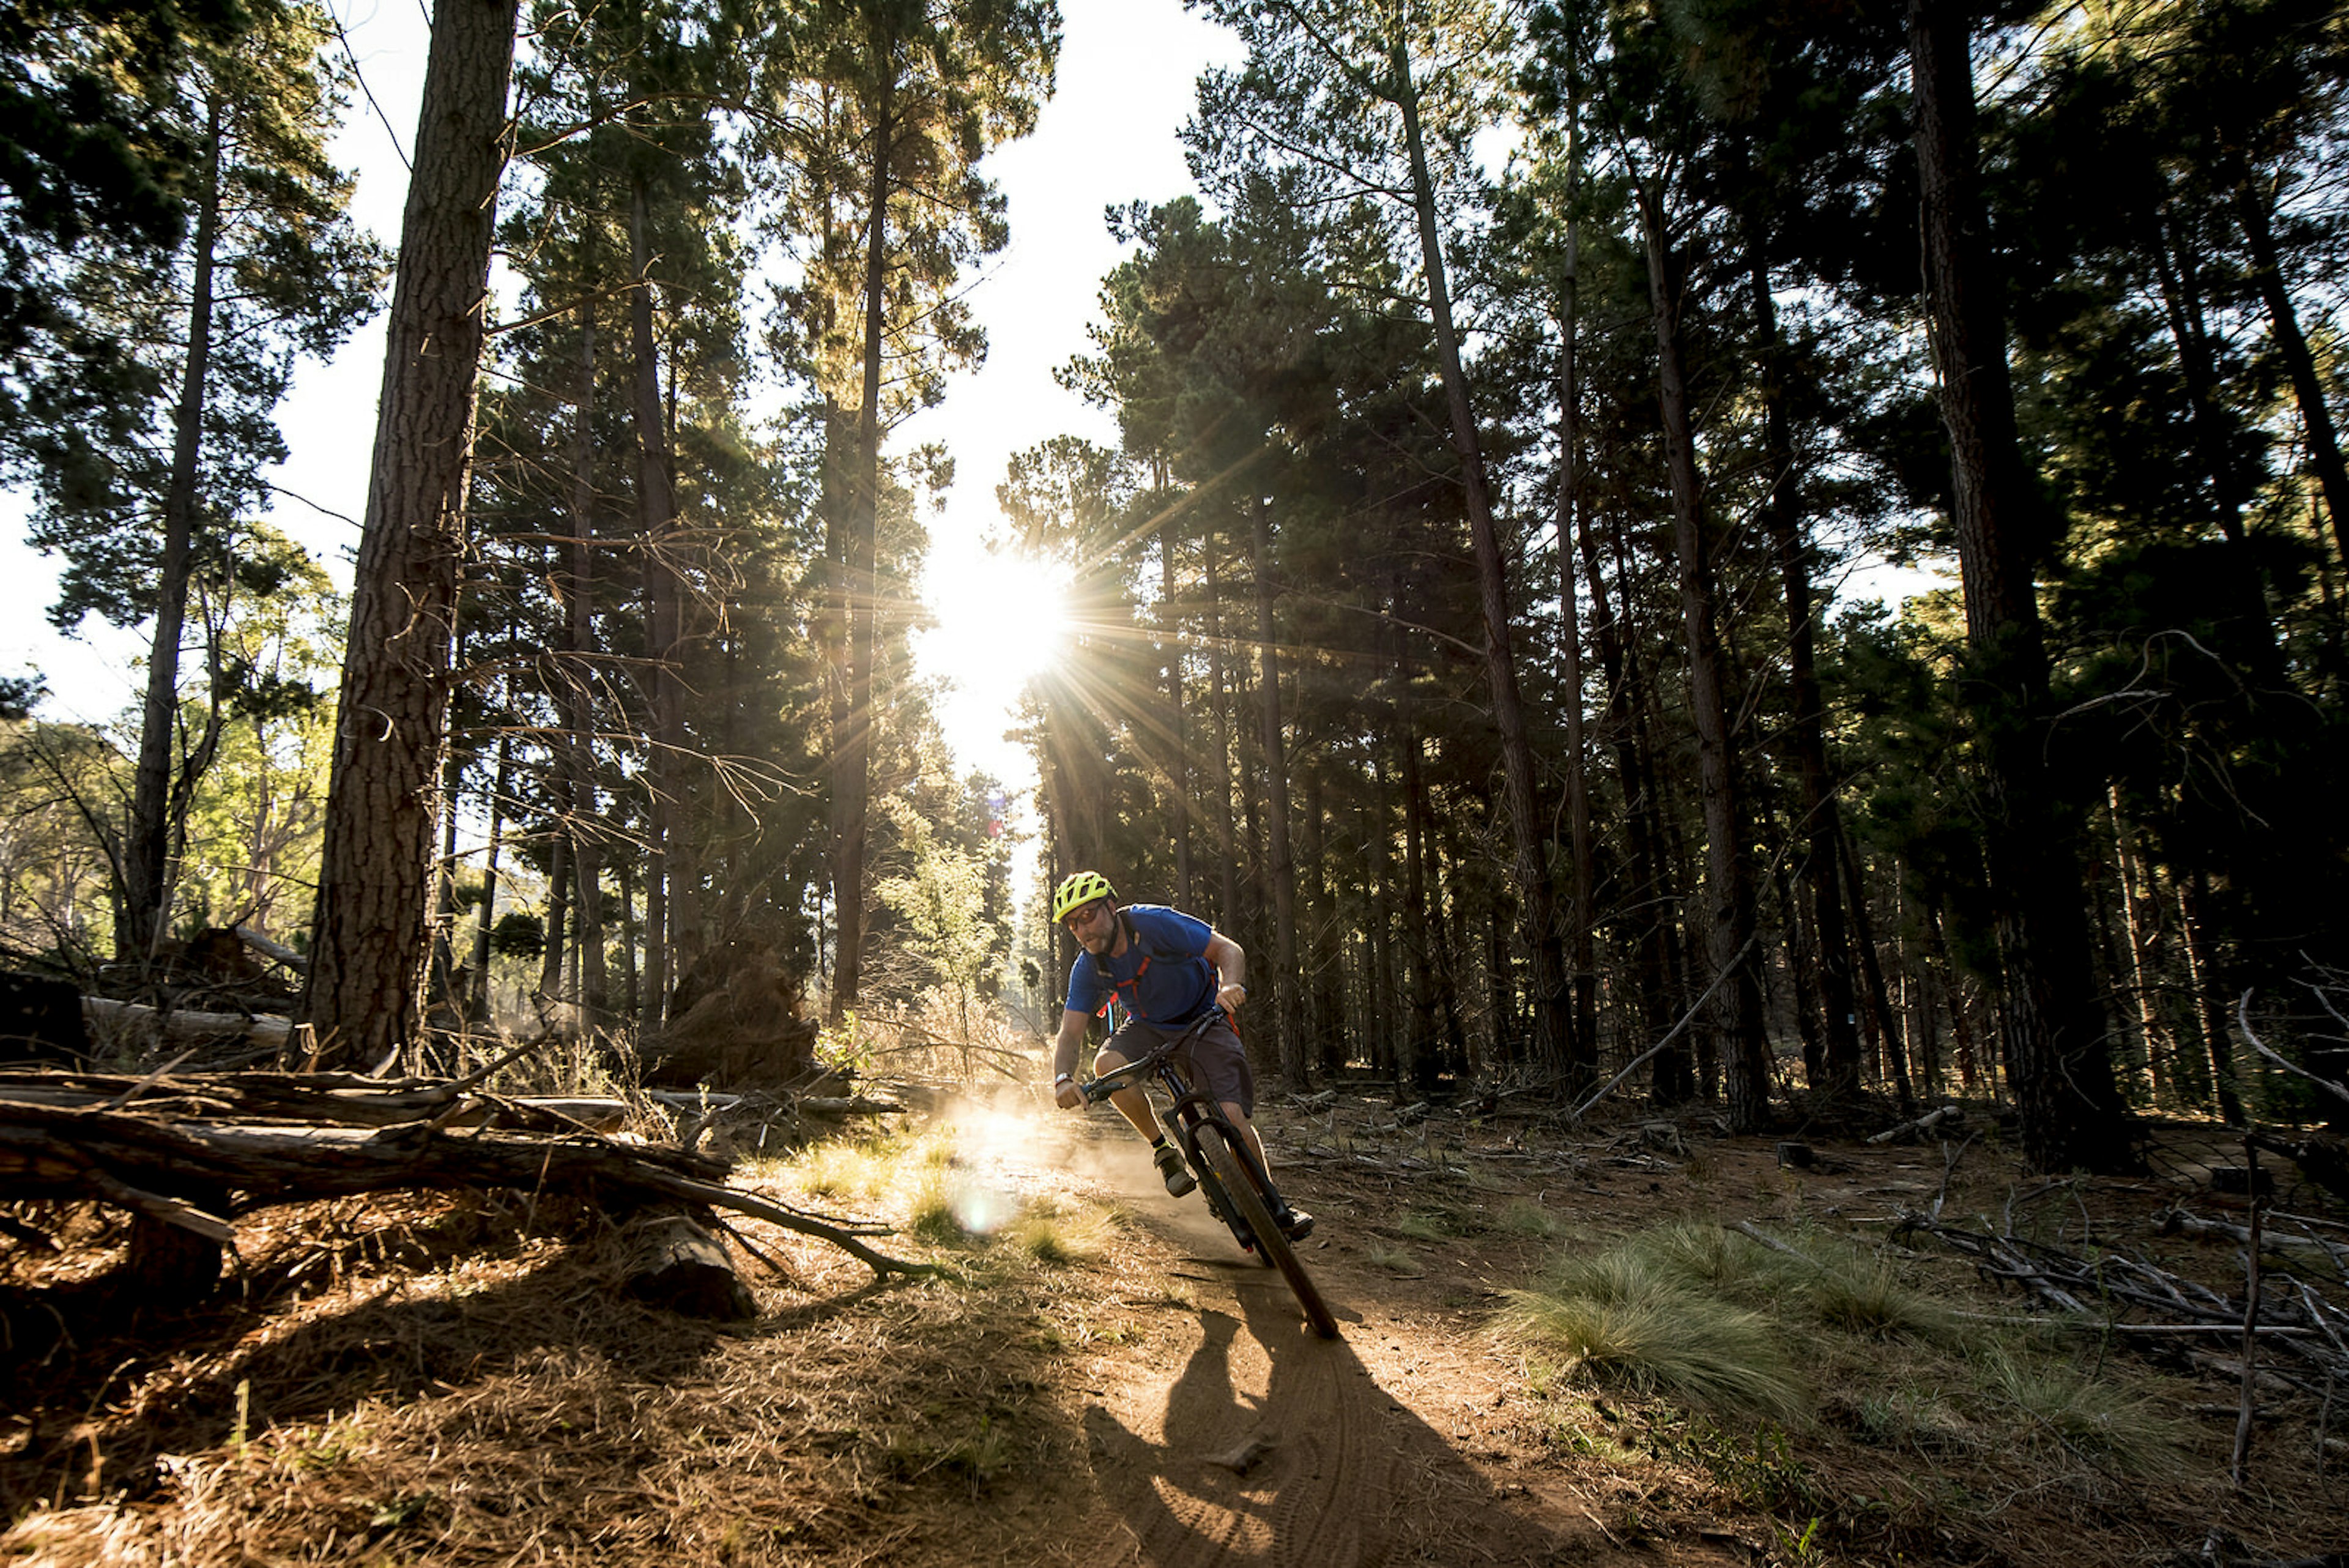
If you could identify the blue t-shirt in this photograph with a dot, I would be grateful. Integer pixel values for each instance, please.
(1163, 977)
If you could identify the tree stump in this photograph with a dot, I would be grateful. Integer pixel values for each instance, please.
(168, 1267)
(675, 1262)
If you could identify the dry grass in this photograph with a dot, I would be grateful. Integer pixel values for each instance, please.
(446, 1381)
(417, 1379)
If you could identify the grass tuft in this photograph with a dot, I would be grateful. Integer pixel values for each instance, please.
(1623, 1316)
(2099, 1421)
(1525, 1216)
(1054, 1233)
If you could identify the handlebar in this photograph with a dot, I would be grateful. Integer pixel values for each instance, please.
(1096, 1090)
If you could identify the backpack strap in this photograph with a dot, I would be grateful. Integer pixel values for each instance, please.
(1135, 939)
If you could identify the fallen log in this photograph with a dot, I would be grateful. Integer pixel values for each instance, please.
(1921, 1125)
(167, 1170)
(175, 1026)
(279, 951)
(2176, 1222)
(852, 1105)
(674, 1262)
(310, 1097)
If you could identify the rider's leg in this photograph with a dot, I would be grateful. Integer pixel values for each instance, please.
(1293, 1223)
(1239, 1118)
(1131, 1102)
(1135, 1106)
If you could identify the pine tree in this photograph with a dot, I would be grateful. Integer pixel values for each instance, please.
(369, 956)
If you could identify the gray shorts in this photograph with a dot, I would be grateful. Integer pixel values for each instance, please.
(1214, 1060)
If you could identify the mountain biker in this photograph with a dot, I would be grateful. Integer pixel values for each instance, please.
(1165, 969)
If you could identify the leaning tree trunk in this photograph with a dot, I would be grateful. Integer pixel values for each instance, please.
(2251, 209)
(1538, 912)
(375, 881)
(2057, 1057)
(1730, 922)
(146, 846)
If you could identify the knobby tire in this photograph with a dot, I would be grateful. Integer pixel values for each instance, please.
(1247, 1203)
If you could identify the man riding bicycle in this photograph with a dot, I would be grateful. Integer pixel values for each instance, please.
(1165, 969)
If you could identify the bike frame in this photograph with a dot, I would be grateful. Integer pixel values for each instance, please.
(1193, 1115)
(1188, 1112)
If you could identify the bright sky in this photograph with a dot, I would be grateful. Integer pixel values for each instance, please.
(1107, 138)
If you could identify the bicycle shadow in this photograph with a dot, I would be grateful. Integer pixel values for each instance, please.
(1273, 1446)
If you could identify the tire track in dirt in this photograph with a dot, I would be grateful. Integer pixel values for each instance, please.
(1248, 1440)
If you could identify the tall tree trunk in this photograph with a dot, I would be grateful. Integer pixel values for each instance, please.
(550, 958)
(1178, 743)
(147, 846)
(2137, 907)
(1415, 1040)
(1582, 1038)
(1839, 1066)
(852, 776)
(2057, 1057)
(1539, 908)
(583, 825)
(1325, 1024)
(1730, 923)
(478, 1010)
(375, 884)
(1652, 1001)
(657, 519)
(1281, 869)
(1227, 874)
(2210, 1007)
(1878, 1016)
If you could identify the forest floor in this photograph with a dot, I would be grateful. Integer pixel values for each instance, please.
(1100, 1378)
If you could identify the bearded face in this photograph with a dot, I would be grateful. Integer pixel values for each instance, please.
(1095, 927)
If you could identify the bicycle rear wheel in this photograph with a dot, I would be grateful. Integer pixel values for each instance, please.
(1235, 1170)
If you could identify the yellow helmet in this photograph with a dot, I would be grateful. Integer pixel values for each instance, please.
(1078, 891)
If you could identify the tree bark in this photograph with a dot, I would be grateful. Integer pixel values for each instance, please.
(583, 825)
(1539, 908)
(1281, 873)
(671, 829)
(1179, 773)
(2057, 1057)
(147, 846)
(852, 716)
(375, 884)
(1839, 1064)
(1582, 1032)
(1730, 923)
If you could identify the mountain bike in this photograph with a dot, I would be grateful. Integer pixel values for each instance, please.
(1237, 1190)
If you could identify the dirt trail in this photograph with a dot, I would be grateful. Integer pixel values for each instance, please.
(1235, 1436)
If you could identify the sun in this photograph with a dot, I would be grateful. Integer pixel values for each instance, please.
(1002, 619)
(1000, 616)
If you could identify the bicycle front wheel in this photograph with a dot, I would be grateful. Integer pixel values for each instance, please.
(1236, 1171)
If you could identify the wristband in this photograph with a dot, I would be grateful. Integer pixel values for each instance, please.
(1064, 1078)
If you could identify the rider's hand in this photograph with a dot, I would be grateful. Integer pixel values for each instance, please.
(1069, 1099)
(1231, 996)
